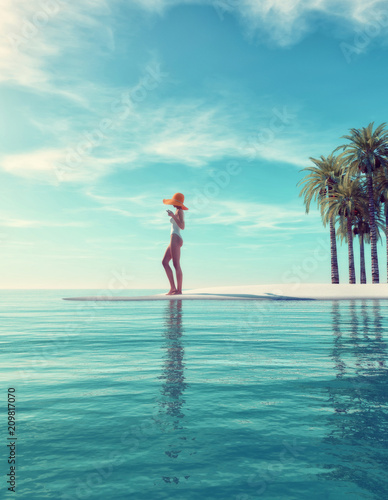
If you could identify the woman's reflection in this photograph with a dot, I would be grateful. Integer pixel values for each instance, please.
(171, 402)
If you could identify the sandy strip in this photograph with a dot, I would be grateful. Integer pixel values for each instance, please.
(302, 291)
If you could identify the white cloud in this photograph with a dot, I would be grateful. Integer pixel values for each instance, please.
(187, 133)
(183, 132)
(120, 205)
(286, 22)
(116, 204)
(190, 133)
(294, 149)
(249, 218)
(22, 223)
(53, 166)
(35, 32)
(136, 207)
(139, 200)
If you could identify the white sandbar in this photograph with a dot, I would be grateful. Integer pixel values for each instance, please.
(302, 291)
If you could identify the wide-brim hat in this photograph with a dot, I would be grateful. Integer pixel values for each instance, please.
(177, 199)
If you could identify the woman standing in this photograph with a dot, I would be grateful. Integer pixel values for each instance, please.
(174, 248)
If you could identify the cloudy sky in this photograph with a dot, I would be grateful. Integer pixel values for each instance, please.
(110, 106)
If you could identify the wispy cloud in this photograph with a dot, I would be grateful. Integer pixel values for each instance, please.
(10, 244)
(34, 33)
(285, 22)
(189, 133)
(141, 199)
(251, 217)
(50, 166)
(24, 223)
(128, 206)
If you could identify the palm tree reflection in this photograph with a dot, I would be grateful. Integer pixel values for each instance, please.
(172, 400)
(338, 341)
(358, 437)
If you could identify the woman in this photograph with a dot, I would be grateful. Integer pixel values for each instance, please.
(174, 248)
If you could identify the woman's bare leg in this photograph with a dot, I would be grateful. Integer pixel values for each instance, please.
(166, 259)
(176, 244)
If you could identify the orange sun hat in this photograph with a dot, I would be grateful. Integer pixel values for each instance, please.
(177, 199)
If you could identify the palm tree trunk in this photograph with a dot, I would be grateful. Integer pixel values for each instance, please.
(333, 253)
(352, 273)
(386, 231)
(372, 223)
(362, 260)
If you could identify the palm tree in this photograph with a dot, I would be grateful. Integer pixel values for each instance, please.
(382, 195)
(366, 151)
(362, 229)
(346, 200)
(318, 184)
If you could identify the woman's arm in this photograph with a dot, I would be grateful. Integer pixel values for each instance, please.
(178, 218)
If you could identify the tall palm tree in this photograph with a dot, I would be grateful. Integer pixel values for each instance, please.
(381, 189)
(362, 229)
(317, 185)
(346, 200)
(366, 151)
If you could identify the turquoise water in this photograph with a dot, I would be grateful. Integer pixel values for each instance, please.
(195, 400)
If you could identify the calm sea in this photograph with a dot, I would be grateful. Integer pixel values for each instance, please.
(193, 400)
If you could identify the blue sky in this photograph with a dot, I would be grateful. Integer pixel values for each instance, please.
(109, 107)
